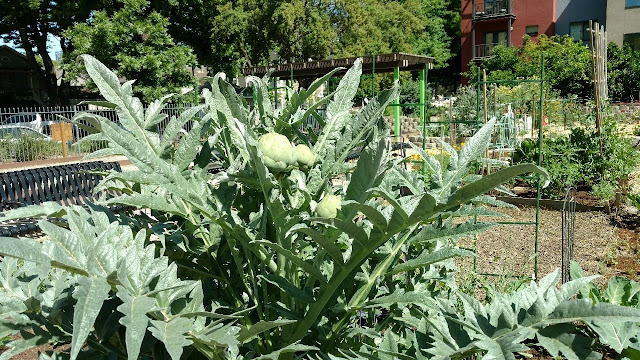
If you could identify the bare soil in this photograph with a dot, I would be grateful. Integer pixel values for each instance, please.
(603, 245)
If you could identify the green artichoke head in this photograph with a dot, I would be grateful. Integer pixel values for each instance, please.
(278, 153)
(305, 157)
(328, 207)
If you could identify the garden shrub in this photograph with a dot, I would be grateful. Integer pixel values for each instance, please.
(88, 146)
(29, 148)
(235, 264)
(575, 160)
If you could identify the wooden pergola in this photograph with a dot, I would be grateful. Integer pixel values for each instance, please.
(371, 64)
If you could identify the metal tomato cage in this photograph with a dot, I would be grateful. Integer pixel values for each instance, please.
(568, 232)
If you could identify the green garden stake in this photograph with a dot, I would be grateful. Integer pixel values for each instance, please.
(396, 108)
(373, 76)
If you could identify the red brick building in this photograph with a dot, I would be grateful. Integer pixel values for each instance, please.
(487, 23)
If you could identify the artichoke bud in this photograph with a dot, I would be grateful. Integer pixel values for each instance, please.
(328, 207)
(305, 157)
(278, 153)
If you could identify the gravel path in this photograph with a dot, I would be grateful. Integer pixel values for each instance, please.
(508, 249)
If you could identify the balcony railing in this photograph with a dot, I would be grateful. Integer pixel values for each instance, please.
(486, 50)
(492, 9)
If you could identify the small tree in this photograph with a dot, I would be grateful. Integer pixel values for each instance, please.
(567, 64)
(623, 70)
(134, 41)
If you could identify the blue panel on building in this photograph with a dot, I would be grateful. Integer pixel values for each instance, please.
(571, 15)
(632, 3)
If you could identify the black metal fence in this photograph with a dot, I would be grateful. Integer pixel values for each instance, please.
(25, 133)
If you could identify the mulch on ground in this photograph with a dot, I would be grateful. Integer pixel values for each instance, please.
(602, 245)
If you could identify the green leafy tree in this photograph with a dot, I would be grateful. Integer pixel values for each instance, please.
(378, 27)
(623, 72)
(30, 23)
(134, 41)
(227, 35)
(567, 64)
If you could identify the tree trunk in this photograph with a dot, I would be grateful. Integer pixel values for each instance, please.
(48, 74)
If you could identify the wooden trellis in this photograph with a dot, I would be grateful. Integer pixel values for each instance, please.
(599, 63)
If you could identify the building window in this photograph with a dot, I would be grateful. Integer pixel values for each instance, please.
(532, 30)
(632, 40)
(631, 3)
(498, 37)
(579, 31)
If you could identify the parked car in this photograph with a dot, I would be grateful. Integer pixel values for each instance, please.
(31, 120)
(12, 132)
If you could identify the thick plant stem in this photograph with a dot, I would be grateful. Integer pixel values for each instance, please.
(358, 299)
(461, 196)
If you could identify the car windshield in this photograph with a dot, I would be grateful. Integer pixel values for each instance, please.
(8, 133)
(20, 118)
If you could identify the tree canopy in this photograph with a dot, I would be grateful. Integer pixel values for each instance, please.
(29, 24)
(567, 64)
(151, 40)
(623, 71)
(134, 40)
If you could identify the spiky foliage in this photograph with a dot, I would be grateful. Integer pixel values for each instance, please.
(235, 264)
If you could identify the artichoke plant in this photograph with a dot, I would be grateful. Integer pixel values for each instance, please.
(237, 265)
(277, 152)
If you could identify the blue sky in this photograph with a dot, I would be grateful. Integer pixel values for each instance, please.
(53, 46)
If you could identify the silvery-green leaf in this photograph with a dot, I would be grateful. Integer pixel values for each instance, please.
(134, 309)
(172, 334)
(90, 294)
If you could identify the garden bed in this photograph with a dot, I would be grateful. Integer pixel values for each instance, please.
(507, 249)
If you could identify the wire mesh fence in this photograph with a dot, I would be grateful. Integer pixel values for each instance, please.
(25, 132)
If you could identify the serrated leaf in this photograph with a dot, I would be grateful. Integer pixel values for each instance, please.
(489, 182)
(584, 310)
(90, 294)
(247, 334)
(618, 335)
(370, 212)
(261, 92)
(48, 209)
(429, 258)
(64, 248)
(129, 109)
(571, 346)
(325, 242)
(172, 334)
(188, 147)
(177, 123)
(153, 114)
(303, 265)
(28, 341)
(436, 232)
(25, 249)
(286, 286)
(433, 165)
(355, 232)
(366, 172)
(134, 309)
(292, 348)
(616, 290)
(472, 150)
